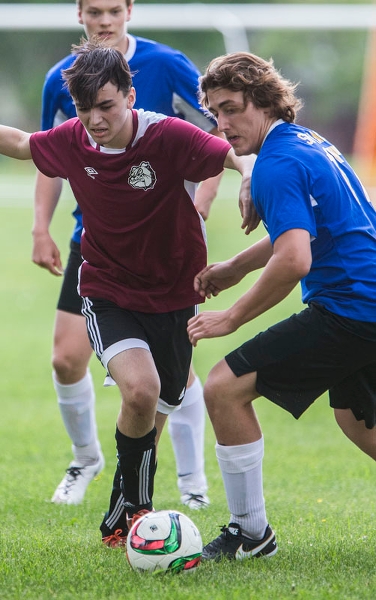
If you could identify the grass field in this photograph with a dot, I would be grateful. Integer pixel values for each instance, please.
(319, 489)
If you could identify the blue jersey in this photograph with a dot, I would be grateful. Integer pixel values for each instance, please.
(166, 81)
(301, 181)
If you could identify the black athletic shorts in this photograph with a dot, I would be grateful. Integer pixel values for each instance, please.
(113, 329)
(307, 354)
(69, 299)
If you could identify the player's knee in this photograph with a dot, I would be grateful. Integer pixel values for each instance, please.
(141, 397)
(214, 392)
(68, 367)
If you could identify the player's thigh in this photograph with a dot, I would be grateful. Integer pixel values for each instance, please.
(358, 393)
(223, 386)
(135, 374)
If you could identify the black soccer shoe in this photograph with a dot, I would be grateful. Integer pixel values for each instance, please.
(233, 545)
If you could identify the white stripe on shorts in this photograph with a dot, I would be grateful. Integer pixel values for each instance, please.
(118, 347)
(92, 325)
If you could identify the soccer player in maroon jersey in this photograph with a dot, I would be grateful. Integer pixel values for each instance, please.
(133, 174)
(166, 81)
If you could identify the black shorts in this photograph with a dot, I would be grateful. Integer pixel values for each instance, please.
(113, 329)
(302, 357)
(69, 299)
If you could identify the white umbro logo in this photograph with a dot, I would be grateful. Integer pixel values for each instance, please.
(91, 172)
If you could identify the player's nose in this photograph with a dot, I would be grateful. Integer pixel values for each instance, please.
(95, 116)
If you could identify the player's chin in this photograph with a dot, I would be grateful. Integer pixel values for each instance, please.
(239, 148)
(235, 143)
(240, 151)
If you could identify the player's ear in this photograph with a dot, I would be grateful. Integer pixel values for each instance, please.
(79, 15)
(129, 12)
(131, 98)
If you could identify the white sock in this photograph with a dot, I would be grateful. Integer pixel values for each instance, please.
(77, 407)
(241, 468)
(186, 427)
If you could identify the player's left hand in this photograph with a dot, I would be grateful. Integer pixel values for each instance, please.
(209, 325)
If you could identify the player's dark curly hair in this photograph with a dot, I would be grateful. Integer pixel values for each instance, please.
(257, 78)
(96, 64)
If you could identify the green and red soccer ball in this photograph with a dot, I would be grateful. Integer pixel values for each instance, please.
(164, 540)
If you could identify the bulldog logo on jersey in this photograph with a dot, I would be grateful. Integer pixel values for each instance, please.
(142, 177)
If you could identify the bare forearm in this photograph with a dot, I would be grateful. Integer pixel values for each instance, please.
(14, 143)
(274, 284)
(269, 290)
(46, 197)
(217, 277)
(205, 195)
(290, 262)
(45, 252)
(253, 258)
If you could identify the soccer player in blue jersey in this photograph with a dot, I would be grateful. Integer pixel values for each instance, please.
(321, 232)
(166, 81)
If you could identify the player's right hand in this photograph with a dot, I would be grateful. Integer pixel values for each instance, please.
(46, 254)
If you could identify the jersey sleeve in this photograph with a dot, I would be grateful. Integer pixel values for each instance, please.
(195, 154)
(50, 150)
(185, 83)
(280, 191)
(49, 105)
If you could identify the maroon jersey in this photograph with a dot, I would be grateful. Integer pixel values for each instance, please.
(143, 240)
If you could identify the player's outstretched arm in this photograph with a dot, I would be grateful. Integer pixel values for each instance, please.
(14, 143)
(217, 277)
(45, 252)
(290, 261)
(209, 324)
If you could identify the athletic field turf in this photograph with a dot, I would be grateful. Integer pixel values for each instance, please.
(319, 489)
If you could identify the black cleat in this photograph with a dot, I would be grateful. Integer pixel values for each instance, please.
(233, 545)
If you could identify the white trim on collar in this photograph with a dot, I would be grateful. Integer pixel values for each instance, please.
(132, 43)
(273, 126)
(103, 149)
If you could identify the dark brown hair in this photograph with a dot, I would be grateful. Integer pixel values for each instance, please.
(96, 64)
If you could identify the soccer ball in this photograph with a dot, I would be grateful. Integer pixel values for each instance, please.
(164, 540)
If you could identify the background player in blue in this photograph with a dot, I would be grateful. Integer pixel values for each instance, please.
(165, 81)
(322, 233)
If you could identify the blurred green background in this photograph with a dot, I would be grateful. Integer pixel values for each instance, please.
(328, 64)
